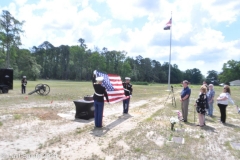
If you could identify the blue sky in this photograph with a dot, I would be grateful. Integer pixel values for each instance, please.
(205, 34)
(231, 32)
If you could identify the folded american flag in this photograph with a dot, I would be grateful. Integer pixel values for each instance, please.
(114, 87)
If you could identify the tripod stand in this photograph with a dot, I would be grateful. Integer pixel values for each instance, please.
(173, 97)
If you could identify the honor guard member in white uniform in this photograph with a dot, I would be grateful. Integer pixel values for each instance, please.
(24, 84)
(98, 98)
(128, 92)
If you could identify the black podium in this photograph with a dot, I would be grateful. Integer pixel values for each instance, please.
(84, 109)
(6, 80)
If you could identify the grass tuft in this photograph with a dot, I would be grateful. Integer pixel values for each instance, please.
(17, 116)
(137, 149)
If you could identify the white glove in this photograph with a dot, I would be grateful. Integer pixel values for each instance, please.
(130, 96)
(94, 72)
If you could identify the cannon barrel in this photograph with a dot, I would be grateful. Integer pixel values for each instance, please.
(33, 91)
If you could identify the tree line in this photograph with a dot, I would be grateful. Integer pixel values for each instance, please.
(77, 62)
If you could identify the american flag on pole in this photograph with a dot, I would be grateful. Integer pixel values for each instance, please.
(114, 87)
(168, 25)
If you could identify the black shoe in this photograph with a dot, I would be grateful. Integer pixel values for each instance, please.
(185, 121)
(222, 122)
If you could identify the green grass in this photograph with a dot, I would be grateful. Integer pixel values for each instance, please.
(17, 116)
(149, 119)
(79, 130)
(137, 149)
(68, 90)
(139, 83)
(59, 91)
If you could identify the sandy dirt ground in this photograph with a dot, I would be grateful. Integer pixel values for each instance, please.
(50, 131)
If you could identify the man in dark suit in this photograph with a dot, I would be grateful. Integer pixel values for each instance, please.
(98, 98)
(24, 84)
(128, 92)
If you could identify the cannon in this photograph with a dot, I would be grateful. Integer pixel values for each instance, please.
(41, 89)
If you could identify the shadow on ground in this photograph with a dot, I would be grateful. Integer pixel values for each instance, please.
(232, 125)
(98, 132)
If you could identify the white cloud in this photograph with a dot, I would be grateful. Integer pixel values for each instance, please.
(125, 9)
(46, 19)
(222, 11)
(20, 2)
(200, 62)
(195, 42)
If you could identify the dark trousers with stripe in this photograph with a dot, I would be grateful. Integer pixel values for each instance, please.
(98, 113)
(23, 89)
(126, 105)
(222, 108)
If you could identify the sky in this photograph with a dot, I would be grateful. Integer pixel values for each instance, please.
(205, 34)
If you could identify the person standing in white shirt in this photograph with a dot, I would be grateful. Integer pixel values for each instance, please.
(222, 102)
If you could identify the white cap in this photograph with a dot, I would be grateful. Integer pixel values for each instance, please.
(95, 72)
(127, 78)
(24, 77)
(99, 79)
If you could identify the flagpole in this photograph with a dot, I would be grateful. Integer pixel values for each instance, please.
(169, 68)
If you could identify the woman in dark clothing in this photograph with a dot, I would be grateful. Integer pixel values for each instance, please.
(201, 104)
(98, 98)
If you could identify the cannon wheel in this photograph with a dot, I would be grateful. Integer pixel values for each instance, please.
(43, 91)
